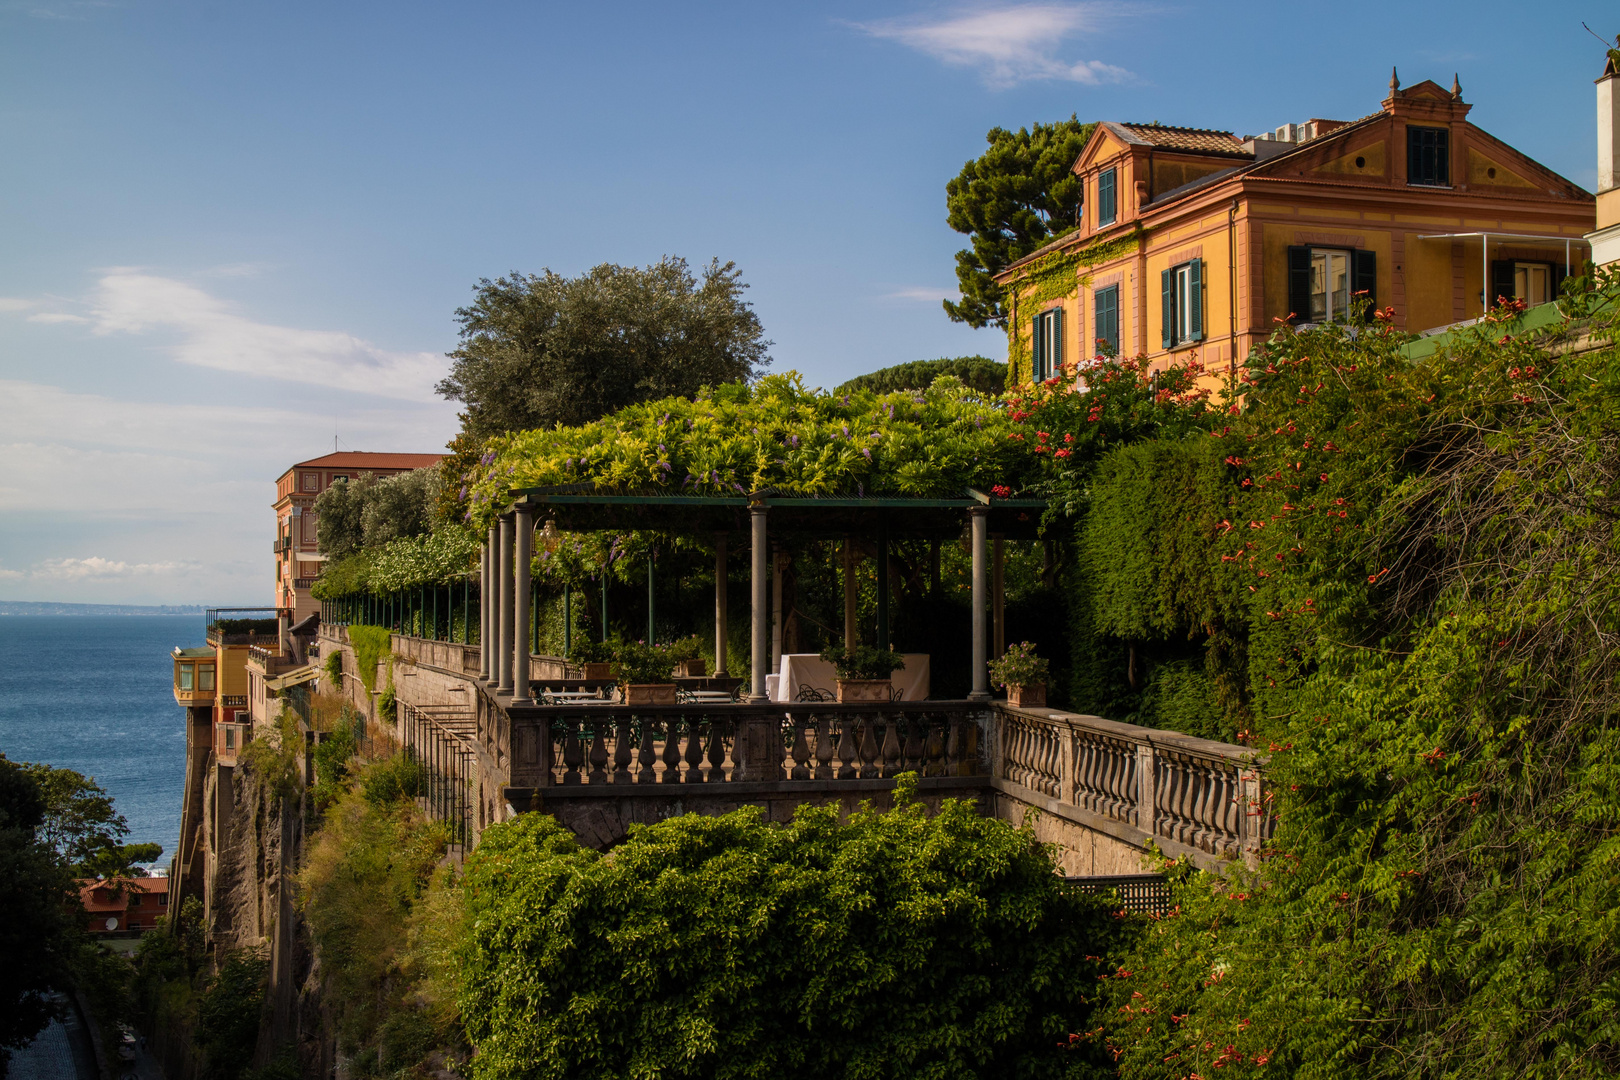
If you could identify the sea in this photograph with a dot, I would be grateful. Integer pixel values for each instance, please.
(95, 693)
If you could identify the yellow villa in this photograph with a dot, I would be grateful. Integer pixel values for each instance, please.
(1196, 244)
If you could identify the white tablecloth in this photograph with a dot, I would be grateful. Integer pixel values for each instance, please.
(802, 668)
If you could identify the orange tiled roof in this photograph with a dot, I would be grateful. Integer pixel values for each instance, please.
(87, 893)
(363, 459)
(1196, 140)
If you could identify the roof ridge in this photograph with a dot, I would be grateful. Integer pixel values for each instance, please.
(1174, 127)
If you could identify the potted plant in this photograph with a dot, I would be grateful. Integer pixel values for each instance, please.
(864, 672)
(594, 659)
(1022, 673)
(688, 656)
(643, 672)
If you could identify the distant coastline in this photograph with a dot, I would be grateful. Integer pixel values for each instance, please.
(30, 607)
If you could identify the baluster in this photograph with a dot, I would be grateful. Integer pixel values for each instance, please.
(1085, 783)
(694, 752)
(848, 754)
(672, 752)
(646, 760)
(1015, 753)
(871, 768)
(1230, 840)
(573, 754)
(621, 753)
(824, 748)
(1185, 797)
(935, 750)
(800, 769)
(1054, 767)
(599, 754)
(717, 752)
(891, 747)
(953, 745)
(913, 752)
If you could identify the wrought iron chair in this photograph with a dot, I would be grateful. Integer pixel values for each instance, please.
(812, 693)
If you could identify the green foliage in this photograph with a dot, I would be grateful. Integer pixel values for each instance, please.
(36, 937)
(642, 662)
(370, 644)
(777, 434)
(584, 651)
(547, 350)
(1056, 275)
(333, 668)
(333, 752)
(274, 757)
(397, 778)
(228, 1013)
(448, 553)
(1019, 666)
(370, 513)
(1015, 197)
(1425, 554)
(263, 627)
(361, 891)
(863, 661)
(978, 373)
(887, 945)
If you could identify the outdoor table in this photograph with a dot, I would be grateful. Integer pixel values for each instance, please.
(808, 669)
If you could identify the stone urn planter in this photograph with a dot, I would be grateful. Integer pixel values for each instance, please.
(598, 671)
(1020, 695)
(649, 694)
(691, 669)
(865, 690)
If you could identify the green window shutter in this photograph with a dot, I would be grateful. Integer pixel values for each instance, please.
(1299, 283)
(1107, 319)
(1502, 284)
(1057, 344)
(1195, 299)
(1035, 351)
(1167, 287)
(1107, 203)
(1365, 275)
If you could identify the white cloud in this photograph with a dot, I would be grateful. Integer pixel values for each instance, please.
(1008, 45)
(56, 317)
(925, 293)
(14, 303)
(97, 567)
(213, 335)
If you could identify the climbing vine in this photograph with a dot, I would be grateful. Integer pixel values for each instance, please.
(1054, 276)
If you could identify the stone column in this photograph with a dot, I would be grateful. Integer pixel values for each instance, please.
(720, 606)
(504, 615)
(979, 525)
(522, 554)
(758, 603)
(998, 598)
(488, 608)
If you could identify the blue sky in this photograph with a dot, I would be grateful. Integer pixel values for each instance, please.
(234, 231)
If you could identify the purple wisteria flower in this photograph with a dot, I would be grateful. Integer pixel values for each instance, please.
(463, 496)
(793, 440)
(846, 431)
(867, 452)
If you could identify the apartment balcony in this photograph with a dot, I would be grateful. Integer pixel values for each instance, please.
(243, 626)
(195, 676)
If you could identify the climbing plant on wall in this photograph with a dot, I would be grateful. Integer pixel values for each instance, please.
(1056, 275)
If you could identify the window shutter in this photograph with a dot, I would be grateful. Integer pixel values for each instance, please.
(1167, 286)
(1035, 351)
(1195, 299)
(1366, 276)
(1055, 365)
(1299, 283)
(1501, 281)
(1557, 281)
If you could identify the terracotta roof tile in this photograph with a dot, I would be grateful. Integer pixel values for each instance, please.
(1183, 138)
(364, 459)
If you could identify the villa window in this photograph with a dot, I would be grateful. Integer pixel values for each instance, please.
(1325, 284)
(1105, 325)
(1428, 156)
(230, 737)
(1107, 202)
(205, 676)
(1183, 298)
(1047, 345)
(186, 673)
(1533, 282)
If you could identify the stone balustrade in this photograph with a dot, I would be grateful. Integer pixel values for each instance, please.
(1189, 796)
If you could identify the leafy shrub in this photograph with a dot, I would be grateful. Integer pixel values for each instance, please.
(371, 644)
(888, 945)
(642, 662)
(228, 1013)
(979, 373)
(332, 754)
(334, 670)
(401, 776)
(863, 661)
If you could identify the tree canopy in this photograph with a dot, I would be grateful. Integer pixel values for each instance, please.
(543, 350)
(979, 373)
(1016, 196)
(368, 512)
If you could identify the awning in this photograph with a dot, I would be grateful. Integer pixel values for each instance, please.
(296, 677)
(1485, 239)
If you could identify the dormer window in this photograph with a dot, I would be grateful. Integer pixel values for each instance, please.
(1107, 202)
(1428, 156)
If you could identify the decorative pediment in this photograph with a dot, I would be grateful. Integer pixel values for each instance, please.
(1102, 146)
(1428, 88)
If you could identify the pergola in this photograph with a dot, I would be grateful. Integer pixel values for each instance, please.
(509, 548)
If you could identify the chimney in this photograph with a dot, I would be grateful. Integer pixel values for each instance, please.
(1605, 240)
